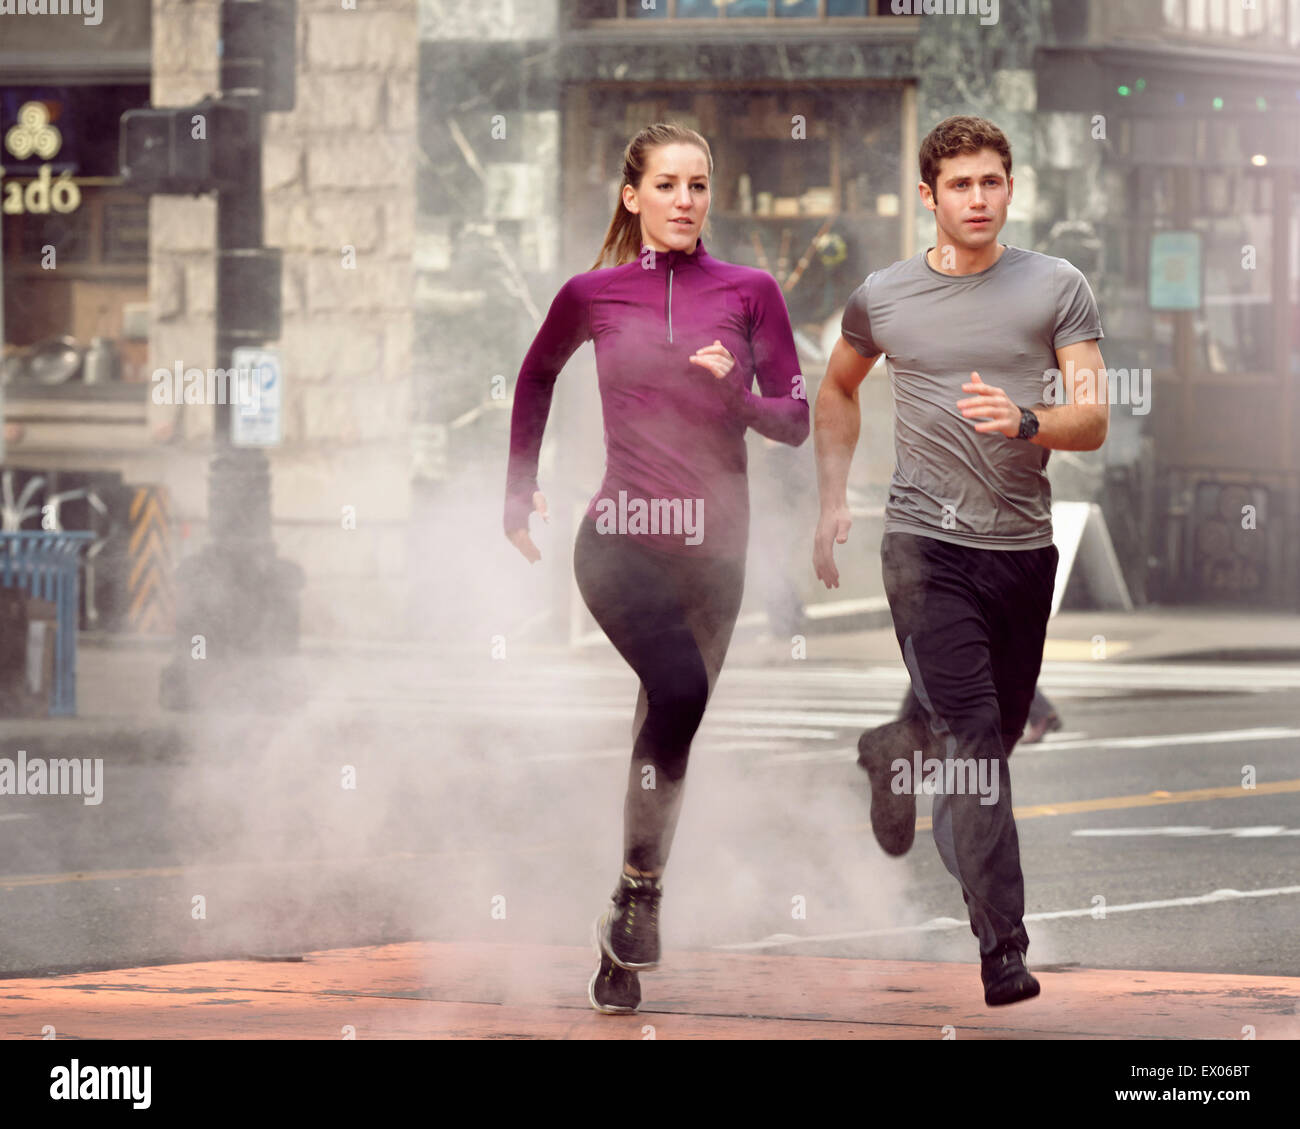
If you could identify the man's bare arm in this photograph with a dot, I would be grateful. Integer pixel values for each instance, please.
(1080, 419)
(1078, 422)
(836, 422)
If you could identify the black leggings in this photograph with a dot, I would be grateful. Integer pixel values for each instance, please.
(671, 617)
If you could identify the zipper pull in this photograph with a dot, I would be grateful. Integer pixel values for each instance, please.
(670, 304)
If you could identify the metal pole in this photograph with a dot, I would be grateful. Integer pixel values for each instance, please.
(2, 329)
(235, 592)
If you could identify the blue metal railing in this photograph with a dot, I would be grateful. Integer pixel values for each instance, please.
(45, 566)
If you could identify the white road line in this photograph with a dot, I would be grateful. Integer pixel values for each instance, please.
(828, 756)
(810, 717)
(15, 815)
(728, 698)
(864, 681)
(502, 711)
(808, 702)
(1169, 739)
(1135, 676)
(940, 923)
(893, 671)
(754, 744)
(843, 754)
(584, 755)
(813, 718)
(1180, 832)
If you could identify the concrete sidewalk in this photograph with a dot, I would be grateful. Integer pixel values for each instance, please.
(491, 991)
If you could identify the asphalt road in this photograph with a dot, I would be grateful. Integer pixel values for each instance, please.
(487, 805)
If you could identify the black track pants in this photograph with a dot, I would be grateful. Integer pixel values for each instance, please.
(971, 625)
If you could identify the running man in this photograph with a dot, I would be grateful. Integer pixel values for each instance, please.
(1043, 717)
(660, 556)
(972, 330)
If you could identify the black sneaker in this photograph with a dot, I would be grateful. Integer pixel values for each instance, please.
(893, 816)
(1006, 979)
(613, 990)
(628, 932)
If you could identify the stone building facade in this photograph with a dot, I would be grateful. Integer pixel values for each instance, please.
(449, 163)
(505, 219)
(338, 181)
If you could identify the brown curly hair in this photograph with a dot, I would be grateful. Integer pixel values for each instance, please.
(959, 135)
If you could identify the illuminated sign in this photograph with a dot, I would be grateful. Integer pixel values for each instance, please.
(34, 135)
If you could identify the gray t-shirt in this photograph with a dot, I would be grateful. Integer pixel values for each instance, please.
(950, 481)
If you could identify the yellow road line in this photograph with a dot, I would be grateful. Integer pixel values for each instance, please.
(1069, 807)
(1142, 800)
(13, 881)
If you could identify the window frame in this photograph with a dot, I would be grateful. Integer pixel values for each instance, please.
(671, 21)
(1276, 23)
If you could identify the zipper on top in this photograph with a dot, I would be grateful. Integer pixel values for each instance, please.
(670, 304)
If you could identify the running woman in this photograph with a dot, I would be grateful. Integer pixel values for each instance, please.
(660, 556)
(972, 330)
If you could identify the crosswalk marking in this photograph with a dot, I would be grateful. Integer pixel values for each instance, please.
(1166, 740)
(794, 714)
(870, 682)
(874, 686)
(1048, 745)
(1068, 675)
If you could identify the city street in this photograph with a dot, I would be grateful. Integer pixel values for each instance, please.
(487, 807)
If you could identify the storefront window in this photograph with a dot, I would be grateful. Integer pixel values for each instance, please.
(731, 9)
(1136, 336)
(1276, 20)
(1233, 333)
(75, 243)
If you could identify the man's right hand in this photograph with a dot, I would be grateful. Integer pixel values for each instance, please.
(520, 538)
(832, 529)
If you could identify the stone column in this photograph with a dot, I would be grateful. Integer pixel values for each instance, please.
(339, 194)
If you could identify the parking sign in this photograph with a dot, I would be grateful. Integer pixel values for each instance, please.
(255, 418)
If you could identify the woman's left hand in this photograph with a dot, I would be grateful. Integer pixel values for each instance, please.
(715, 358)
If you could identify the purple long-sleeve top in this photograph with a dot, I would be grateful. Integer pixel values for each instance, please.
(675, 459)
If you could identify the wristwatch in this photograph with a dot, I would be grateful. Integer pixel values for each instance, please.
(1028, 424)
